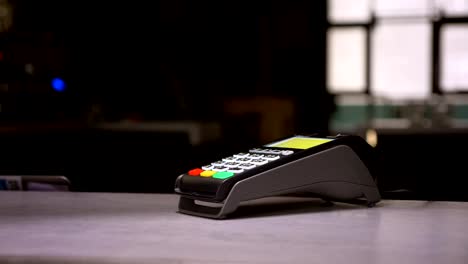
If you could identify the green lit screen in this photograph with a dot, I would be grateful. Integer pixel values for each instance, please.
(299, 142)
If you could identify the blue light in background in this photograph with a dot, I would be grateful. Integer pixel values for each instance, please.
(58, 84)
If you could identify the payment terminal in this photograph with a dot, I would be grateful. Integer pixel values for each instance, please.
(335, 168)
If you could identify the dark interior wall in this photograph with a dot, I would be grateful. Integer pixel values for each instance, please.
(299, 59)
(219, 49)
(161, 59)
(100, 160)
(417, 164)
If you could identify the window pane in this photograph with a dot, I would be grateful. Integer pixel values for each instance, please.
(348, 11)
(346, 60)
(403, 7)
(454, 58)
(452, 7)
(400, 60)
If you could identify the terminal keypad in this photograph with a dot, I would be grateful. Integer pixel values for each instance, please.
(239, 163)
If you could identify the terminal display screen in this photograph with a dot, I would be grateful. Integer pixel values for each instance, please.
(299, 142)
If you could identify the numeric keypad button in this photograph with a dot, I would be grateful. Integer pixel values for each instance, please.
(230, 159)
(235, 170)
(271, 157)
(259, 161)
(231, 164)
(247, 166)
(243, 160)
(207, 167)
(220, 168)
(241, 155)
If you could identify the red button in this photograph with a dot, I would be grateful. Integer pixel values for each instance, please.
(195, 172)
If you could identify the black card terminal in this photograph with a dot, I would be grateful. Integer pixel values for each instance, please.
(336, 168)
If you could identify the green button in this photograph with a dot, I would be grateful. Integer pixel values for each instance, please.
(223, 175)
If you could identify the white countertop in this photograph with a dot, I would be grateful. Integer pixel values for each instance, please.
(67, 227)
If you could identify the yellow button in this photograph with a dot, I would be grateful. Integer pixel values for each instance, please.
(207, 173)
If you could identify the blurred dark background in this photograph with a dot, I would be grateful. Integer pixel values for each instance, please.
(124, 97)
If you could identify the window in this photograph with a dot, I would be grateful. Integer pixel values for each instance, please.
(454, 58)
(342, 11)
(452, 7)
(397, 49)
(383, 54)
(400, 59)
(346, 60)
(402, 8)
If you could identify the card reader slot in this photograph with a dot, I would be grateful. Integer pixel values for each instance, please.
(193, 185)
